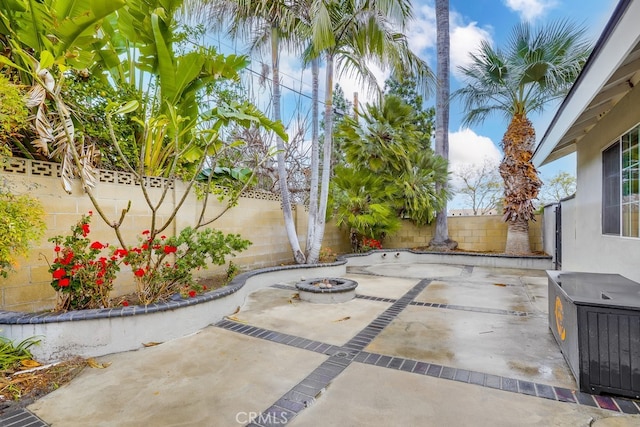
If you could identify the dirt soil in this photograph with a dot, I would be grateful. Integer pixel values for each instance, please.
(22, 386)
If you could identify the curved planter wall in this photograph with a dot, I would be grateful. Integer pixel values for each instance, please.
(92, 333)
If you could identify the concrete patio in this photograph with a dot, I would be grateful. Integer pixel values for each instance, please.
(422, 344)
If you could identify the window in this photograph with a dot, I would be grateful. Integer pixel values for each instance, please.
(621, 186)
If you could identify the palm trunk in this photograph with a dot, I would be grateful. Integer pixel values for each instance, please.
(289, 224)
(315, 160)
(521, 183)
(518, 237)
(441, 238)
(326, 162)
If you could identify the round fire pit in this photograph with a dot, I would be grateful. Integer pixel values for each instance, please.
(327, 290)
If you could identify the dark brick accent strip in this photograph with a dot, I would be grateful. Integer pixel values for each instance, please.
(475, 309)
(303, 394)
(371, 331)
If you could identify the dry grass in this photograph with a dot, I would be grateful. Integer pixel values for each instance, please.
(22, 386)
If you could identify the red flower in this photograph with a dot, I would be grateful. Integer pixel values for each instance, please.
(57, 248)
(85, 230)
(67, 259)
(125, 304)
(163, 237)
(204, 287)
(146, 232)
(192, 294)
(144, 247)
(90, 213)
(139, 272)
(59, 273)
(99, 282)
(63, 283)
(121, 253)
(170, 249)
(97, 245)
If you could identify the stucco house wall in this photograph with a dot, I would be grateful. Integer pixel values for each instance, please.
(587, 249)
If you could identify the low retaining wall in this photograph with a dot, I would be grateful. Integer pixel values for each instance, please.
(404, 256)
(91, 333)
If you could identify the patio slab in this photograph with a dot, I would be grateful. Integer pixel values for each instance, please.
(214, 377)
(389, 357)
(427, 401)
(473, 294)
(510, 346)
(275, 309)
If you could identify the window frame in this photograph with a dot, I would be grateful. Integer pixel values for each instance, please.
(617, 201)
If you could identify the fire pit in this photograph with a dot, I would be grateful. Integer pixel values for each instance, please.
(327, 290)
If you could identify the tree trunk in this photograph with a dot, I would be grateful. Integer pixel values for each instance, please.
(289, 224)
(315, 160)
(518, 237)
(314, 253)
(441, 240)
(521, 183)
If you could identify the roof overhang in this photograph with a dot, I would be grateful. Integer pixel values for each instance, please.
(612, 70)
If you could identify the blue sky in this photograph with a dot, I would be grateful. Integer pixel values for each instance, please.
(470, 22)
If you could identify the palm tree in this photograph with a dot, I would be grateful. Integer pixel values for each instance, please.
(267, 21)
(441, 238)
(347, 34)
(537, 67)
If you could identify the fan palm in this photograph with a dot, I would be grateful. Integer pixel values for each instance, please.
(537, 67)
(349, 35)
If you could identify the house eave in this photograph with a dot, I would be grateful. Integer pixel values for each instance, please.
(611, 71)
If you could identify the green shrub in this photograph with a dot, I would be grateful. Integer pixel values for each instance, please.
(13, 113)
(21, 223)
(12, 354)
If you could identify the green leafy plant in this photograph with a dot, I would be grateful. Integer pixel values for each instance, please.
(21, 223)
(12, 354)
(232, 271)
(13, 112)
(82, 273)
(163, 266)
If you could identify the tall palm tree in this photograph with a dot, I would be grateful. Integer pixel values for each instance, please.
(537, 67)
(347, 34)
(266, 21)
(441, 238)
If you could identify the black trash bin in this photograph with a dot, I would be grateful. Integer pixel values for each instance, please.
(595, 318)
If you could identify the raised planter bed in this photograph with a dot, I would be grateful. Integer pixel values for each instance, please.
(91, 333)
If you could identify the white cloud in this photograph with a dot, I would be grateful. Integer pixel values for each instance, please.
(465, 39)
(466, 147)
(468, 150)
(530, 10)
(421, 32)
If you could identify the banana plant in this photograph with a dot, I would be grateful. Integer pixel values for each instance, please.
(43, 36)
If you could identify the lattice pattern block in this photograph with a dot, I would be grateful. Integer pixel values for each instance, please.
(39, 168)
(14, 165)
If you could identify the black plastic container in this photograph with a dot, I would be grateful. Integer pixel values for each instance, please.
(595, 318)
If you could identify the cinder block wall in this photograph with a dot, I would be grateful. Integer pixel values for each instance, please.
(257, 217)
(485, 233)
